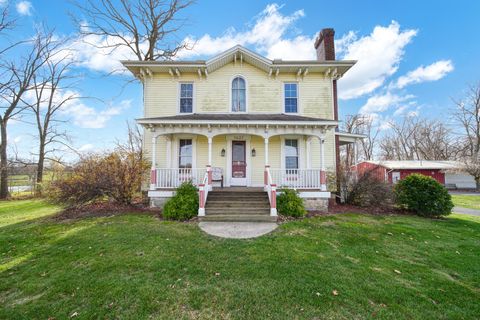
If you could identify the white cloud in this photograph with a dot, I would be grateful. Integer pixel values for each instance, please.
(267, 35)
(85, 116)
(24, 8)
(432, 72)
(378, 55)
(86, 147)
(383, 102)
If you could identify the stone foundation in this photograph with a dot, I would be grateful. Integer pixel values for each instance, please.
(158, 202)
(316, 204)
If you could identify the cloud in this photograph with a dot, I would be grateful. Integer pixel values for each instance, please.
(24, 8)
(432, 72)
(86, 147)
(267, 35)
(383, 102)
(378, 55)
(86, 116)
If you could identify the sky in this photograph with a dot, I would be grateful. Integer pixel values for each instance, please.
(413, 57)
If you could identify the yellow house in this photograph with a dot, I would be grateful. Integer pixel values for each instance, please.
(242, 120)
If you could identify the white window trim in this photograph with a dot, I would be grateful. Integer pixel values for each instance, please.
(298, 97)
(230, 94)
(176, 153)
(179, 95)
(300, 145)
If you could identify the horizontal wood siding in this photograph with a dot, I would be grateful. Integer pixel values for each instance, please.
(264, 93)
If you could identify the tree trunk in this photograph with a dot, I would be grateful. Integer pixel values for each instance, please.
(477, 182)
(3, 162)
(40, 163)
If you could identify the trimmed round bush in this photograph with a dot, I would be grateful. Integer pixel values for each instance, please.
(423, 195)
(290, 204)
(183, 205)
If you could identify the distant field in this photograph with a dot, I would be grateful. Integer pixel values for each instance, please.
(466, 201)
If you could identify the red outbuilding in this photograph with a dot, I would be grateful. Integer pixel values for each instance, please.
(392, 171)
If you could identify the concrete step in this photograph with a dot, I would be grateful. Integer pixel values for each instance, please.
(235, 203)
(237, 198)
(242, 211)
(246, 194)
(248, 210)
(239, 218)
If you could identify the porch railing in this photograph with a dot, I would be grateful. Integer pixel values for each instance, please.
(298, 178)
(271, 190)
(173, 177)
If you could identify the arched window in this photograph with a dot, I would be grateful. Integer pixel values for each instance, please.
(239, 101)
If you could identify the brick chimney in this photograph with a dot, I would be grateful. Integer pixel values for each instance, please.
(325, 45)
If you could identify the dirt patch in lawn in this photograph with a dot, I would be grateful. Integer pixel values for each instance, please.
(105, 209)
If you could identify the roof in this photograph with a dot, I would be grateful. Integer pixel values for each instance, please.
(348, 138)
(240, 54)
(417, 164)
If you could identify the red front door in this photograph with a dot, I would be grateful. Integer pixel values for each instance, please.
(239, 165)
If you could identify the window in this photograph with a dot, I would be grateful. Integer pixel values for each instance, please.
(239, 100)
(186, 97)
(185, 153)
(291, 97)
(291, 154)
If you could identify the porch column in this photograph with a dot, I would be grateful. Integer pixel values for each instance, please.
(266, 151)
(323, 174)
(153, 172)
(209, 165)
(168, 154)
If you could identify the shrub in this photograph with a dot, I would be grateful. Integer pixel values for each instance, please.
(290, 204)
(183, 205)
(115, 176)
(423, 195)
(365, 190)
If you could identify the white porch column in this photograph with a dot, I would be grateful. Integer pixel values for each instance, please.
(323, 174)
(210, 141)
(266, 151)
(168, 154)
(153, 172)
(209, 165)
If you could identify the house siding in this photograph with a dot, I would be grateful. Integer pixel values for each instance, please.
(264, 93)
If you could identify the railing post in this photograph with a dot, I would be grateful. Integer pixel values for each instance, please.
(209, 172)
(201, 200)
(265, 177)
(273, 200)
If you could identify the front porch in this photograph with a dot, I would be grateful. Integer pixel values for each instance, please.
(281, 154)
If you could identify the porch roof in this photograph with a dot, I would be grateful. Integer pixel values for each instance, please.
(237, 118)
(213, 124)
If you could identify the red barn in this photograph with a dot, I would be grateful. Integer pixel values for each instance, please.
(392, 171)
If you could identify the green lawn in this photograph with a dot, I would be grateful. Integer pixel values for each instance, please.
(472, 202)
(137, 267)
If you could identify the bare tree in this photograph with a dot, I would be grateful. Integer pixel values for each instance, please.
(51, 94)
(16, 77)
(417, 139)
(362, 124)
(467, 115)
(147, 28)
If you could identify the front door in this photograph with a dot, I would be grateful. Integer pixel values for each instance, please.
(239, 164)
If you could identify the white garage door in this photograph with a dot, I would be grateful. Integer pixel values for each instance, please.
(462, 181)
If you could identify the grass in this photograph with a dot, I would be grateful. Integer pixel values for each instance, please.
(137, 267)
(466, 201)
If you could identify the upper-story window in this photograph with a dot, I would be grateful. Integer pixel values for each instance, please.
(186, 97)
(291, 97)
(239, 98)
